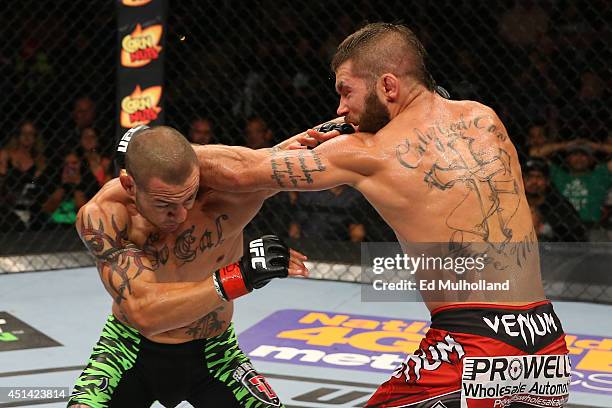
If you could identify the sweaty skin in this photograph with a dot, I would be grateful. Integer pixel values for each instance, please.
(161, 281)
(440, 171)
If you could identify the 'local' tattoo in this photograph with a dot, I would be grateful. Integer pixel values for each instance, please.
(157, 256)
(185, 247)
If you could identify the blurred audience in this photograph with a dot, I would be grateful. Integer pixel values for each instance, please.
(555, 219)
(560, 100)
(523, 24)
(337, 214)
(97, 164)
(276, 212)
(201, 131)
(22, 163)
(65, 195)
(257, 133)
(585, 183)
(83, 114)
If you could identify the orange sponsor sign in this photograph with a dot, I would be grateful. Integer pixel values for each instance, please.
(141, 46)
(135, 3)
(141, 107)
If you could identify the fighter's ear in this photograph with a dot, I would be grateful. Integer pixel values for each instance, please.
(127, 182)
(389, 86)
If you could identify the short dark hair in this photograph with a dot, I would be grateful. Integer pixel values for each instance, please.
(536, 164)
(384, 47)
(161, 152)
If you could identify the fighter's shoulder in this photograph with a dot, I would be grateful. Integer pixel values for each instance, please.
(481, 119)
(357, 152)
(350, 144)
(106, 206)
(472, 109)
(348, 147)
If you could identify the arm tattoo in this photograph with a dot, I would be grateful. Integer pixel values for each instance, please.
(123, 259)
(206, 326)
(285, 168)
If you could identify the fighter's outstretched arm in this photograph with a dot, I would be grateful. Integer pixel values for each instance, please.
(344, 159)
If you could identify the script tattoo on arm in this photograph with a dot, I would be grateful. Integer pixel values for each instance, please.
(295, 169)
(113, 251)
(206, 326)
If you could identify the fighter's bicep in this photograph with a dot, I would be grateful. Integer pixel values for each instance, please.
(121, 274)
(120, 262)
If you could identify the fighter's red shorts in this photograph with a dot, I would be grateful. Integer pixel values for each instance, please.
(480, 356)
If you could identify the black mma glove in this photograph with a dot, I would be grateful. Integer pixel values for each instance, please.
(343, 128)
(442, 92)
(268, 258)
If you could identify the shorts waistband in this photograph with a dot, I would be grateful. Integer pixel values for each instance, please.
(488, 306)
(190, 347)
(529, 327)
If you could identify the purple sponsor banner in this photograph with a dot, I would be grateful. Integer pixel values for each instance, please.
(380, 344)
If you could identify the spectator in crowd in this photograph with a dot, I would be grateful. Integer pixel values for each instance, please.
(24, 152)
(83, 117)
(538, 144)
(257, 133)
(201, 131)
(523, 24)
(83, 113)
(464, 81)
(22, 162)
(585, 184)
(275, 214)
(97, 164)
(538, 84)
(75, 186)
(586, 111)
(337, 214)
(555, 219)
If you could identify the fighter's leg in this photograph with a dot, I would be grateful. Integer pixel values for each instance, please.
(235, 383)
(110, 378)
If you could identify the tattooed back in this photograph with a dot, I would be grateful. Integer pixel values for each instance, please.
(449, 176)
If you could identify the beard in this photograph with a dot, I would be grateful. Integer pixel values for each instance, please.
(375, 115)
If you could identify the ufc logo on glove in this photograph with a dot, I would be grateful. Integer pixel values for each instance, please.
(258, 255)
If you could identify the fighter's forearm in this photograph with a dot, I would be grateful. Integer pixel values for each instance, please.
(159, 307)
(547, 149)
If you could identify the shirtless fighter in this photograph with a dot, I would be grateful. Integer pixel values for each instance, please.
(438, 171)
(158, 236)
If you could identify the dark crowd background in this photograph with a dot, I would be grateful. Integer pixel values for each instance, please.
(253, 73)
